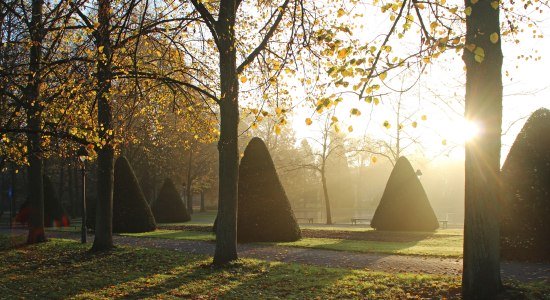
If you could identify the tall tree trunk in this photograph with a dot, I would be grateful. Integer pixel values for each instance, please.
(60, 187)
(481, 271)
(13, 193)
(188, 190)
(226, 233)
(203, 209)
(34, 123)
(104, 210)
(327, 199)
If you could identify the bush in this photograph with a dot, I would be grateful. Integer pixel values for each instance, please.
(131, 213)
(404, 205)
(525, 226)
(264, 212)
(54, 213)
(169, 207)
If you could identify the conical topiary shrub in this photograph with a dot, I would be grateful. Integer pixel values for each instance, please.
(54, 213)
(404, 205)
(131, 213)
(525, 210)
(264, 212)
(169, 207)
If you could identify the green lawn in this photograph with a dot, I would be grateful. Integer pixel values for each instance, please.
(66, 269)
(436, 245)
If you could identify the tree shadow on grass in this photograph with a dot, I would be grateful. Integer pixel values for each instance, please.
(62, 269)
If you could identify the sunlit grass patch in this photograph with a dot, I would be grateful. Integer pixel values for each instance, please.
(175, 235)
(444, 247)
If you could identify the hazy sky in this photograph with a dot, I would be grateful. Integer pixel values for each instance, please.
(525, 90)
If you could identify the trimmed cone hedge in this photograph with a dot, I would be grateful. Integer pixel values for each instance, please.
(404, 205)
(525, 211)
(54, 213)
(169, 207)
(131, 213)
(264, 212)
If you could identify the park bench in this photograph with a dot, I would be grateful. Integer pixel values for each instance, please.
(309, 220)
(355, 221)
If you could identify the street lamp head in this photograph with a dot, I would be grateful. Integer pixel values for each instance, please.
(82, 154)
(418, 173)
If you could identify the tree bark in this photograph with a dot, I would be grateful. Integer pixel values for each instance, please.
(226, 231)
(34, 122)
(327, 199)
(481, 270)
(188, 190)
(103, 240)
(203, 209)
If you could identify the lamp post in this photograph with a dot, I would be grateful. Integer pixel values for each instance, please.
(82, 154)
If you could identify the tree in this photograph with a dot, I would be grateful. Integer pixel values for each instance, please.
(328, 148)
(169, 207)
(524, 222)
(483, 106)
(404, 205)
(264, 213)
(224, 34)
(103, 240)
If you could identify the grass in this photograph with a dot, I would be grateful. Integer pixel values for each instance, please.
(66, 269)
(440, 246)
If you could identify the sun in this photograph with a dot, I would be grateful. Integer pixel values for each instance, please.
(463, 131)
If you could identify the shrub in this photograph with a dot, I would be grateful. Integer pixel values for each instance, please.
(169, 207)
(54, 213)
(264, 212)
(404, 205)
(525, 226)
(131, 213)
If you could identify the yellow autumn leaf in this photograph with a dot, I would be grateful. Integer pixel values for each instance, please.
(308, 121)
(277, 129)
(424, 118)
(383, 75)
(373, 159)
(468, 10)
(355, 112)
(334, 119)
(376, 101)
(342, 53)
(341, 12)
(350, 128)
(479, 54)
(414, 124)
(494, 37)
(386, 124)
(494, 4)
(100, 49)
(474, 1)
(243, 79)
(444, 142)
(278, 111)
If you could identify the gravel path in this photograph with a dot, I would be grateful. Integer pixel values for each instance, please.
(328, 258)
